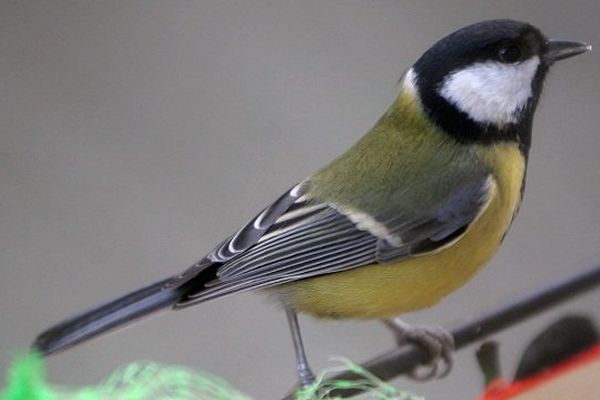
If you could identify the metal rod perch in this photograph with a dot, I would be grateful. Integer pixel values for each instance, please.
(403, 359)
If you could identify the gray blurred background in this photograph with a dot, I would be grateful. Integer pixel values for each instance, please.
(134, 135)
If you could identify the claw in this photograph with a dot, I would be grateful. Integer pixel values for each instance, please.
(437, 341)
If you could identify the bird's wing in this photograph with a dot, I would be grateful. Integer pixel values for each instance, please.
(246, 237)
(298, 237)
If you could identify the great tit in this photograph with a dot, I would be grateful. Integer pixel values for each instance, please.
(404, 217)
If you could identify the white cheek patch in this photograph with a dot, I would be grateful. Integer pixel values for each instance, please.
(491, 92)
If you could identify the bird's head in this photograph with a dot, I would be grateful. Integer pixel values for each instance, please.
(482, 82)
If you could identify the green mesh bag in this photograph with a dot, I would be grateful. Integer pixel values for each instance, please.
(153, 381)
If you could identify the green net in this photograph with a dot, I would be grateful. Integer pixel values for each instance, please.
(153, 381)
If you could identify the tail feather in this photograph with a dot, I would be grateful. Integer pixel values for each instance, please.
(107, 317)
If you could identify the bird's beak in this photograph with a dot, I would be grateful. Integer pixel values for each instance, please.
(561, 49)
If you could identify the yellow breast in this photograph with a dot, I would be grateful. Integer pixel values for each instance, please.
(382, 291)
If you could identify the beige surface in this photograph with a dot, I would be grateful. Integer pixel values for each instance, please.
(582, 383)
(134, 135)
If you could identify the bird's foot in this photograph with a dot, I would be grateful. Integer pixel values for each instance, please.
(435, 340)
(306, 380)
(306, 376)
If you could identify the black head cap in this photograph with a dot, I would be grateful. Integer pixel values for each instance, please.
(480, 42)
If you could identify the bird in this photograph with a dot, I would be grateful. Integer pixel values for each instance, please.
(405, 216)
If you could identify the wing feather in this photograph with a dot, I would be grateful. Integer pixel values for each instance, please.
(299, 237)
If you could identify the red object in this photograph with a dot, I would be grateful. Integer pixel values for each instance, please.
(501, 390)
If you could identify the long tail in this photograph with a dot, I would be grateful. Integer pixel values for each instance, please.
(107, 317)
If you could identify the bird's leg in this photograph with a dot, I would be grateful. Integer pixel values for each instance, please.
(305, 374)
(437, 341)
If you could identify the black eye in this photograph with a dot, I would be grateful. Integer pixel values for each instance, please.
(509, 54)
